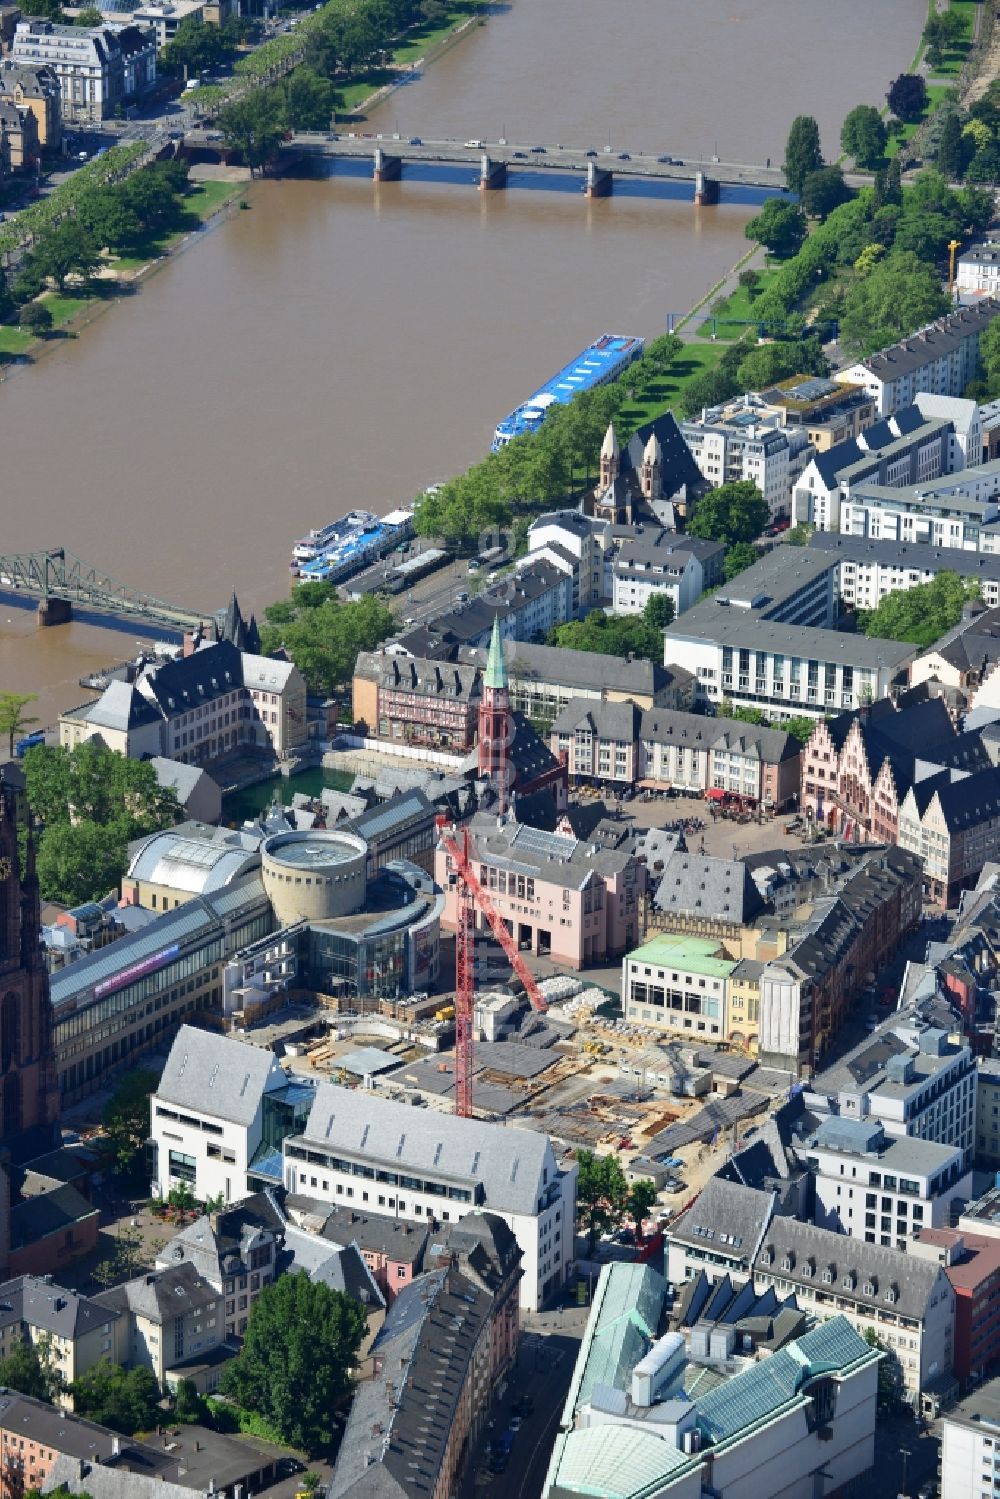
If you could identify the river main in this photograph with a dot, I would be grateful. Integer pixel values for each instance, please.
(342, 345)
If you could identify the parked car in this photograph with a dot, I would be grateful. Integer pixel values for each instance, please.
(474, 565)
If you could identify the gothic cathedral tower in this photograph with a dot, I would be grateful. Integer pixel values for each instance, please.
(29, 1098)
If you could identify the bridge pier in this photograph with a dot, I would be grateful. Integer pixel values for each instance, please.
(599, 181)
(706, 191)
(53, 611)
(492, 174)
(387, 168)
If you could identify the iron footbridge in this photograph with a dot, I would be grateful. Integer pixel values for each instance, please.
(59, 580)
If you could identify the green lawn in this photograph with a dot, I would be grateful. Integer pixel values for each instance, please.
(64, 308)
(201, 201)
(694, 360)
(954, 58)
(738, 307)
(13, 342)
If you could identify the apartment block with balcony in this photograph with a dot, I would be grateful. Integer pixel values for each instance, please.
(940, 358)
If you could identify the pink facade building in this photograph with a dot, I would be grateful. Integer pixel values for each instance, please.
(560, 896)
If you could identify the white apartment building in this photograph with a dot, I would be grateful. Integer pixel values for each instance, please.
(655, 562)
(909, 1076)
(765, 640)
(741, 441)
(906, 1301)
(965, 442)
(362, 1150)
(978, 269)
(960, 511)
(882, 1189)
(568, 534)
(941, 358)
(970, 1445)
(98, 67)
(906, 448)
(868, 571)
(206, 1116)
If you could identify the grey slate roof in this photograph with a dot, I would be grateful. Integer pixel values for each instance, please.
(554, 857)
(673, 726)
(508, 1163)
(606, 720)
(727, 1217)
(39, 1303)
(914, 1280)
(401, 1420)
(122, 706)
(192, 681)
(36, 1217)
(709, 888)
(217, 1075)
(587, 669)
(933, 342)
(162, 1294)
(909, 556)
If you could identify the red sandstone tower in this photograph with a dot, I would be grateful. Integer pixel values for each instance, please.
(496, 722)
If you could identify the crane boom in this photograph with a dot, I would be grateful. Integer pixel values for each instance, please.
(470, 894)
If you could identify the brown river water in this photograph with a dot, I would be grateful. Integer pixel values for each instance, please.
(342, 345)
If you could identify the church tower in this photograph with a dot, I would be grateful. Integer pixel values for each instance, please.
(610, 459)
(29, 1097)
(496, 724)
(652, 469)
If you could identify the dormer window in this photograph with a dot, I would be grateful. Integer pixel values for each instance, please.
(891, 1294)
(828, 1276)
(869, 1288)
(848, 1282)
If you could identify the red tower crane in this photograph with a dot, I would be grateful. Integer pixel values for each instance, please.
(469, 894)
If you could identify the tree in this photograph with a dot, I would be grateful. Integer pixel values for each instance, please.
(823, 191)
(298, 1352)
(869, 258)
(13, 719)
(64, 251)
(127, 1401)
(738, 558)
(768, 363)
(863, 135)
(190, 1408)
(610, 635)
(907, 97)
(890, 1375)
(22, 1370)
(640, 1202)
(800, 536)
(126, 1121)
(900, 294)
(89, 16)
(950, 156)
(253, 127)
(659, 611)
(780, 227)
(195, 48)
(733, 512)
(308, 100)
(601, 1192)
(919, 615)
(802, 151)
(709, 389)
(37, 319)
(91, 802)
(323, 638)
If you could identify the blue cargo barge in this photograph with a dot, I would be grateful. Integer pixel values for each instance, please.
(603, 360)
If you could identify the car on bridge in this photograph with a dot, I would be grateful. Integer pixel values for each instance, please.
(415, 140)
(624, 156)
(474, 145)
(591, 153)
(665, 161)
(520, 155)
(538, 150)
